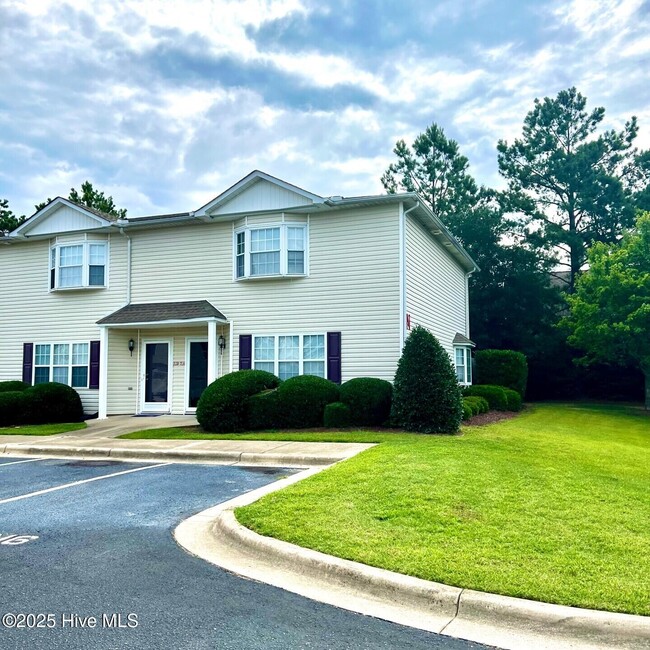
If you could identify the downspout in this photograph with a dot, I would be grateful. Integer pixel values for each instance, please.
(128, 266)
(402, 270)
(467, 276)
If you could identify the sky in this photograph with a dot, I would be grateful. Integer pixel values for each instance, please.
(164, 105)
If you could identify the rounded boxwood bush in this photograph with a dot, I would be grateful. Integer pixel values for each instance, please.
(505, 368)
(369, 400)
(14, 407)
(337, 415)
(479, 404)
(262, 410)
(7, 386)
(222, 406)
(53, 402)
(495, 395)
(302, 400)
(468, 412)
(514, 399)
(426, 395)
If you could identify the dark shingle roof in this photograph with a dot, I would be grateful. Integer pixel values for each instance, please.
(460, 339)
(155, 312)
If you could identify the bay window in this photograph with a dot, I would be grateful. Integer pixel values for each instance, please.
(463, 363)
(80, 265)
(270, 251)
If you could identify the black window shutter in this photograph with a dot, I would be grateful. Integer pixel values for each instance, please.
(94, 365)
(28, 361)
(334, 357)
(245, 351)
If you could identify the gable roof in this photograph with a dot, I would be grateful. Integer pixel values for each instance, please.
(249, 181)
(91, 216)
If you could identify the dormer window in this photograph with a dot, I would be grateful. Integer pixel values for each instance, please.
(271, 251)
(78, 265)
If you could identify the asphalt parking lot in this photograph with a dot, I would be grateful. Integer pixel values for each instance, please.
(87, 560)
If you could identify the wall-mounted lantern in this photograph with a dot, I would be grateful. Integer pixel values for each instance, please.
(131, 346)
(222, 343)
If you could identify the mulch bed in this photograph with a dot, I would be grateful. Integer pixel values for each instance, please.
(489, 418)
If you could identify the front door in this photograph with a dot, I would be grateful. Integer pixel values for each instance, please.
(197, 372)
(156, 377)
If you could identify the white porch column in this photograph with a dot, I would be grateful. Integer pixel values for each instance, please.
(212, 351)
(103, 373)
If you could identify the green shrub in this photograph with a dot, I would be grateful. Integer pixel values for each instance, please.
(337, 415)
(302, 400)
(13, 408)
(369, 400)
(505, 368)
(11, 386)
(53, 402)
(480, 404)
(426, 395)
(495, 396)
(222, 406)
(514, 399)
(262, 410)
(467, 411)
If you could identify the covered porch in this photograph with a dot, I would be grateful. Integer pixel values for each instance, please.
(156, 358)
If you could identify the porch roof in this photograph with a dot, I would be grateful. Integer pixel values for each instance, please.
(159, 313)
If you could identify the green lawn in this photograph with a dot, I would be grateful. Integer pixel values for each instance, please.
(552, 505)
(41, 429)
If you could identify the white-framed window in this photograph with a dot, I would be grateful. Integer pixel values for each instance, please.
(289, 355)
(269, 251)
(78, 265)
(66, 363)
(463, 363)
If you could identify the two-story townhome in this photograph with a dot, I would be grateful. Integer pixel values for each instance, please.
(140, 314)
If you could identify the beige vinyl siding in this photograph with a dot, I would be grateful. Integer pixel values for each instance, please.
(352, 288)
(262, 196)
(33, 314)
(435, 286)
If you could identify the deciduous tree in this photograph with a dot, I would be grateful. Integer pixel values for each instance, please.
(91, 198)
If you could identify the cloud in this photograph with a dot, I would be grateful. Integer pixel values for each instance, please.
(165, 104)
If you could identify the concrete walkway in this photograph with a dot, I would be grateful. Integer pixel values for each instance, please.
(99, 441)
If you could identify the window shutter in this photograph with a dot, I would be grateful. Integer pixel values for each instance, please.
(94, 365)
(28, 362)
(334, 357)
(245, 351)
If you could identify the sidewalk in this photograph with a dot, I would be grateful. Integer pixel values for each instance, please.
(99, 441)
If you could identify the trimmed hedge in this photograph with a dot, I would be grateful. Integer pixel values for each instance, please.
(480, 404)
(337, 415)
(12, 386)
(495, 395)
(505, 368)
(368, 399)
(53, 402)
(426, 395)
(13, 408)
(302, 400)
(514, 399)
(468, 412)
(262, 410)
(222, 406)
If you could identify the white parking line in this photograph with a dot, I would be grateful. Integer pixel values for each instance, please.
(88, 480)
(17, 462)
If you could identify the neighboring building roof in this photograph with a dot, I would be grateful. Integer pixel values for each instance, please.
(159, 312)
(460, 339)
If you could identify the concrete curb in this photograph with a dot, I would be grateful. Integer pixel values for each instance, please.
(510, 623)
(179, 455)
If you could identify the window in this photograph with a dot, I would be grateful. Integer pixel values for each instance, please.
(271, 251)
(66, 363)
(74, 266)
(289, 356)
(463, 361)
